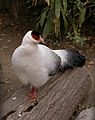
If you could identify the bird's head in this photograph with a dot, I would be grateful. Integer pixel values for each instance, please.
(32, 37)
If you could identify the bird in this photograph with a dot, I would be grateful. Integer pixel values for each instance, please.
(35, 63)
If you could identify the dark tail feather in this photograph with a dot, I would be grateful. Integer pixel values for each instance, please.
(80, 61)
(74, 59)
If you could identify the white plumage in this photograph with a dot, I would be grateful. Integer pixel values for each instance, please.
(34, 63)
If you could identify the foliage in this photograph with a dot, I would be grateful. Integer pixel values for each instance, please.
(72, 13)
(50, 17)
(93, 10)
(33, 2)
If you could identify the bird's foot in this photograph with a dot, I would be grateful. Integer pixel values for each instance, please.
(33, 95)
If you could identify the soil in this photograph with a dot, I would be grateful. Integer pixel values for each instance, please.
(11, 37)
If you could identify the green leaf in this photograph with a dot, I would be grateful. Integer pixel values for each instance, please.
(82, 16)
(57, 8)
(37, 25)
(52, 3)
(74, 29)
(57, 27)
(64, 18)
(79, 40)
(43, 17)
(48, 24)
(46, 29)
(65, 4)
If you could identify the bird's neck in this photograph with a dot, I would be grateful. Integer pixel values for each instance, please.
(31, 46)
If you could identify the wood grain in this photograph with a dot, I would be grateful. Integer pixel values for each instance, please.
(57, 99)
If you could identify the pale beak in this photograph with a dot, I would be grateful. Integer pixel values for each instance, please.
(42, 40)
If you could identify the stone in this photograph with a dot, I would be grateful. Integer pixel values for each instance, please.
(87, 114)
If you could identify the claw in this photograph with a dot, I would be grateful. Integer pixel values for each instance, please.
(32, 95)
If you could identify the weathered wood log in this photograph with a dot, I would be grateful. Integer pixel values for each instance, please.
(57, 99)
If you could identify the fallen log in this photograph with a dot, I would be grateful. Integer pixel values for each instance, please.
(57, 99)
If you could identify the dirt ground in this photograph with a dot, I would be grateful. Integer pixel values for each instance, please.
(10, 39)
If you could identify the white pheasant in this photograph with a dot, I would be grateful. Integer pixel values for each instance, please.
(34, 63)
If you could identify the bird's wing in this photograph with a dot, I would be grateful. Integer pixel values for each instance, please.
(51, 61)
(57, 65)
(70, 58)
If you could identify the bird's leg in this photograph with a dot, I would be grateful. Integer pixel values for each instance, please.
(32, 95)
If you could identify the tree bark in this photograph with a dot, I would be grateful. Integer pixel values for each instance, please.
(57, 99)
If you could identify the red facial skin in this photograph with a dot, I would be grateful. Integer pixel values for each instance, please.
(38, 39)
(35, 37)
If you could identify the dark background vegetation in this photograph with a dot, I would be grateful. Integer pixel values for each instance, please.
(62, 19)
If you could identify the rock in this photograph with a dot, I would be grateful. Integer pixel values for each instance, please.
(88, 114)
